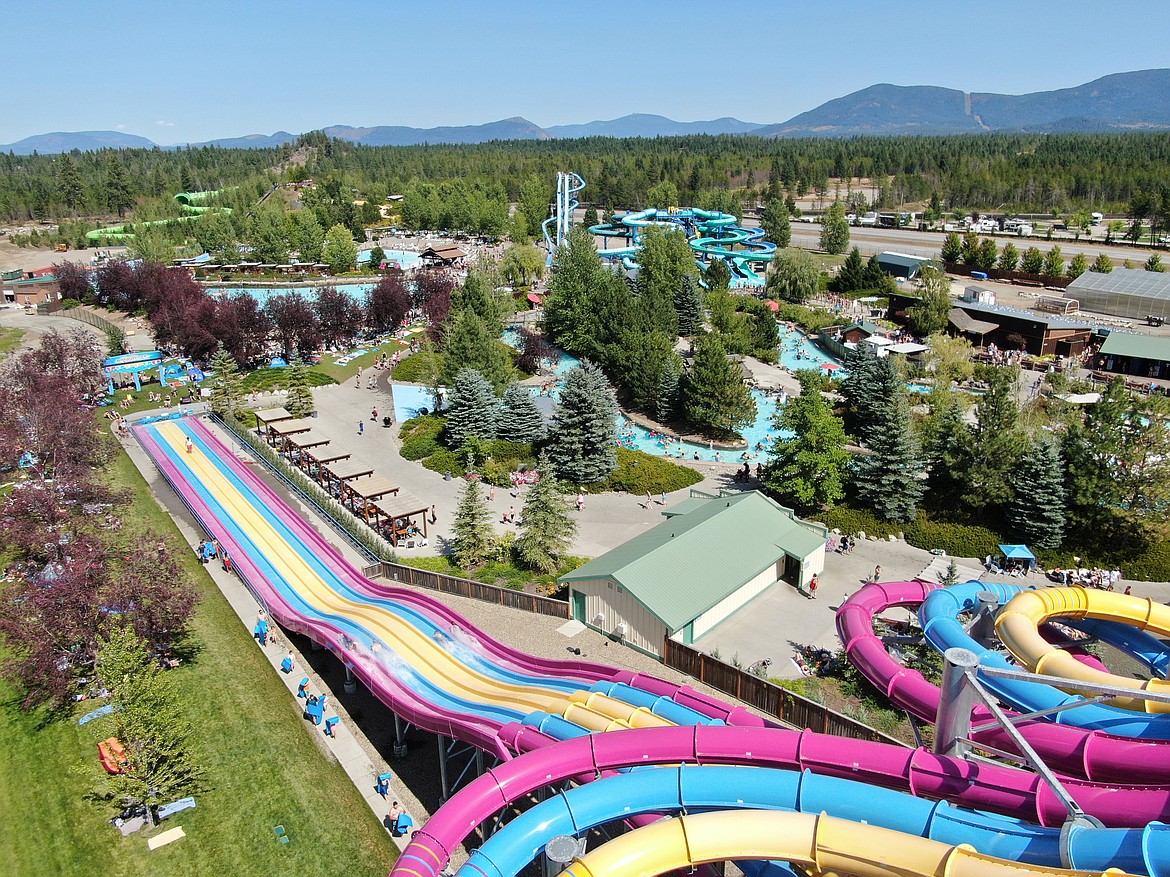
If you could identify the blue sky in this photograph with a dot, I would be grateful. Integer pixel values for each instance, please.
(179, 71)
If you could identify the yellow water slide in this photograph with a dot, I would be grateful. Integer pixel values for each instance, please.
(1019, 621)
(820, 843)
(424, 655)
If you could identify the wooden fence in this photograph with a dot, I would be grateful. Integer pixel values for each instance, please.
(475, 590)
(767, 697)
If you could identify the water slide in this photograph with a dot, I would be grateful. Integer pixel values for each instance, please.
(1094, 753)
(191, 202)
(439, 672)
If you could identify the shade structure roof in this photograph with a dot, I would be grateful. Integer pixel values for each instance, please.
(289, 427)
(271, 415)
(1017, 552)
(372, 487)
(401, 505)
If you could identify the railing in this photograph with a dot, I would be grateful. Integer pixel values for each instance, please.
(767, 697)
(81, 315)
(476, 590)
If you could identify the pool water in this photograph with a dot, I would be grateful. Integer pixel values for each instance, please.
(406, 259)
(409, 399)
(798, 352)
(356, 291)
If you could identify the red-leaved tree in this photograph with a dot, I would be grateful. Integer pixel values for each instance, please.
(388, 303)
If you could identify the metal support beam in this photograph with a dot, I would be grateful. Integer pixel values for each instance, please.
(1109, 691)
(982, 628)
(953, 719)
(443, 767)
(1039, 714)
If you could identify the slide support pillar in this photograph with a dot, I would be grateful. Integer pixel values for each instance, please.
(399, 737)
(443, 767)
(953, 720)
(350, 684)
(983, 628)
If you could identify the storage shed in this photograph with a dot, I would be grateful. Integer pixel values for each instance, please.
(709, 559)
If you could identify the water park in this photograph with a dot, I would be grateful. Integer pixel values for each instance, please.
(1050, 761)
(711, 235)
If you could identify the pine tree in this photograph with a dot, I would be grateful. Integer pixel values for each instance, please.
(227, 392)
(300, 392)
(834, 229)
(473, 539)
(996, 441)
(946, 447)
(1036, 514)
(582, 440)
(688, 305)
(518, 418)
(471, 409)
(851, 276)
(952, 248)
(860, 389)
(118, 195)
(476, 296)
(888, 479)
(68, 182)
(152, 722)
(666, 405)
(470, 343)
(1009, 257)
(774, 220)
(717, 276)
(714, 398)
(546, 527)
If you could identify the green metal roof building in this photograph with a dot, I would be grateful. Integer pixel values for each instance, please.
(709, 558)
(1146, 356)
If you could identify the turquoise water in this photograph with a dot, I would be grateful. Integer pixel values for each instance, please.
(356, 291)
(797, 352)
(408, 399)
(406, 259)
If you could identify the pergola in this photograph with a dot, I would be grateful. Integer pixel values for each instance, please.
(313, 463)
(394, 516)
(342, 472)
(280, 432)
(296, 445)
(264, 419)
(360, 494)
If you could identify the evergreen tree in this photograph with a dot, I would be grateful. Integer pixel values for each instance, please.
(851, 276)
(688, 305)
(970, 248)
(834, 229)
(1102, 264)
(666, 405)
(860, 389)
(932, 313)
(471, 409)
(888, 479)
(300, 392)
(469, 343)
(1009, 257)
(547, 528)
(582, 440)
(996, 441)
(714, 398)
(808, 464)
(569, 315)
(987, 254)
(952, 248)
(227, 391)
(589, 219)
(663, 261)
(473, 539)
(1154, 263)
(118, 194)
(716, 276)
(1078, 266)
(946, 444)
(476, 296)
(1053, 262)
(1036, 514)
(1032, 262)
(518, 418)
(645, 356)
(775, 222)
(152, 723)
(69, 183)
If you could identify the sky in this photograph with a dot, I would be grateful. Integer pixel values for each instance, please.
(179, 71)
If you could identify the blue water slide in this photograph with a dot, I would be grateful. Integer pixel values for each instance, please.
(690, 789)
(943, 630)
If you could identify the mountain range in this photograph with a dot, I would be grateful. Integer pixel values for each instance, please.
(1134, 101)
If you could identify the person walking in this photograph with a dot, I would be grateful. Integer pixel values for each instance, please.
(580, 502)
(434, 516)
(877, 573)
(361, 427)
(813, 584)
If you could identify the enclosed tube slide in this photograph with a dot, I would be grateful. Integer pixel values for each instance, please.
(821, 843)
(693, 789)
(1100, 756)
(939, 616)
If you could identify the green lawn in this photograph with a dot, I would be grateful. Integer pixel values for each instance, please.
(9, 340)
(264, 769)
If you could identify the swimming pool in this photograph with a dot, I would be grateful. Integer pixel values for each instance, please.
(406, 259)
(356, 291)
(409, 399)
(797, 352)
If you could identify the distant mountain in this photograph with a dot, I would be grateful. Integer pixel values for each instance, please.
(251, 141)
(515, 128)
(67, 141)
(1134, 101)
(645, 125)
(1122, 101)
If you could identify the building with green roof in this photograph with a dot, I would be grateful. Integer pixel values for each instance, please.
(1146, 356)
(708, 559)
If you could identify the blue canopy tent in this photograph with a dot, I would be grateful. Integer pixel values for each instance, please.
(1017, 556)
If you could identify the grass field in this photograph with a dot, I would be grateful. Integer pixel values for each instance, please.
(9, 340)
(264, 768)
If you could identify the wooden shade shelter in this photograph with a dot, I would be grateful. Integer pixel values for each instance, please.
(396, 516)
(359, 495)
(264, 419)
(334, 475)
(279, 431)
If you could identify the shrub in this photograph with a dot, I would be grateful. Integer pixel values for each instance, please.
(811, 320)
(70, 303)
(957, 540)
(851, 521)
(418, 368)
(420, 436)
(267, 378)
(444, 460)
(638, 472)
